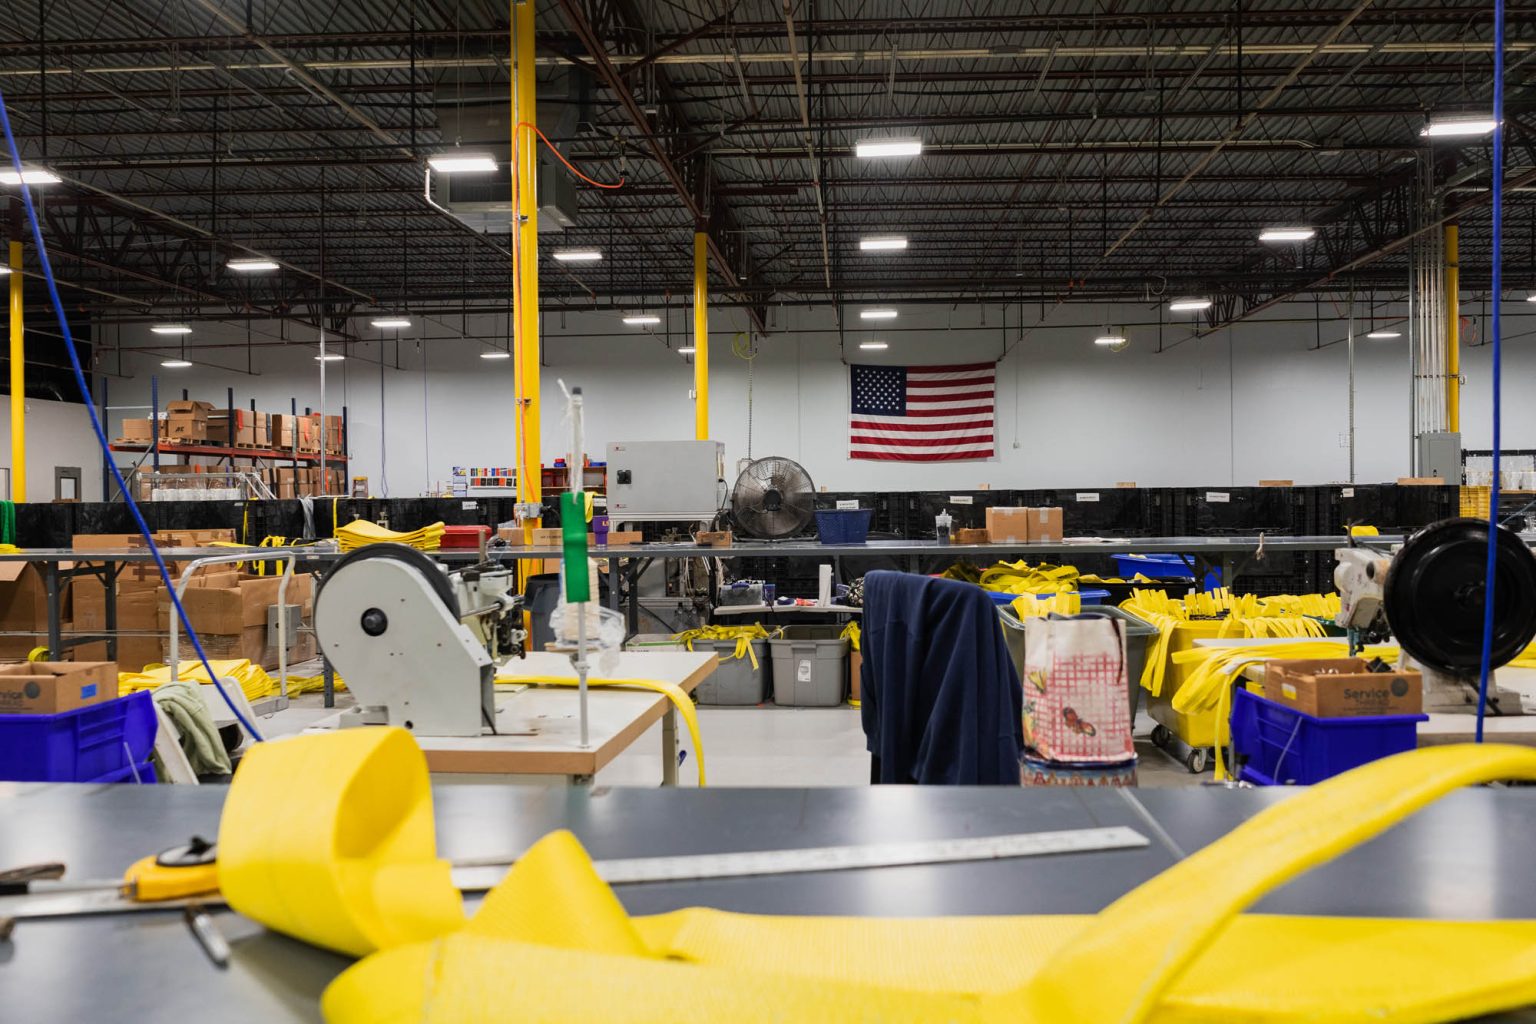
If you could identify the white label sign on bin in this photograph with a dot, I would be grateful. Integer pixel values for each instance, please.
(804, 671)
(848, 504)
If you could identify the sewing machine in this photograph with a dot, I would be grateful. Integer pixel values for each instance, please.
(1428, 594)
(417, 645)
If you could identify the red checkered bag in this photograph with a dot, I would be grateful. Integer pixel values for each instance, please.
(1076, 705)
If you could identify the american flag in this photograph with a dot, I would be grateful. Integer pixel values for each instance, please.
(922, 413)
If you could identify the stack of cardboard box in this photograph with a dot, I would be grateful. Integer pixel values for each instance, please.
(230, 611)
(140, 431)
(193, 421)
(251, 429)
(1024, 525)
(304, 481)
(309, 434)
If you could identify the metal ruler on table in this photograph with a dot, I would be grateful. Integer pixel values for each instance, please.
(478, 875)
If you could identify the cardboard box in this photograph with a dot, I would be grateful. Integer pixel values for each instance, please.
(704, 538)
(618, 537)
(138, 431)
(1008, 525)
(1045, 524)
(187, 420)
(970, 536)
(283, 429)
(547, 538)
(24, 604)
(855, 674)
(1277, 483)
(135, 652)
(1342, 688)
(49, 687)
(511, 535)
(216, 607)
(1420, 481)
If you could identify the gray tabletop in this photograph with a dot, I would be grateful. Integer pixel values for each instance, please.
(1248, 544)
(1459, 859)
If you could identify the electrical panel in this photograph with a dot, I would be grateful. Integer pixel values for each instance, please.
(665, 480)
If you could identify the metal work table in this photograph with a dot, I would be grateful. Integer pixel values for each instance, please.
(1454, 860)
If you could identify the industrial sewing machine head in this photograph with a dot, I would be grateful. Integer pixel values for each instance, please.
(1429, 595)
(418, 646)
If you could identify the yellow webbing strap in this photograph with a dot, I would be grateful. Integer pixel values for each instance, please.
(852, 634)
(743, 635)
(674, 693)
(552, 944)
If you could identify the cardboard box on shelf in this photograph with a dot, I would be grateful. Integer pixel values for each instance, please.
(283, 429)
(335, 441)
(138, 431)
(187, 420)
(1277, 483)
(309, 433)
(137, 609)
(618, 537)
(547, 538)
(1008, 525)
(1342, 688)
(24, 604)
(135, 652)
(971, 536)
(1045, 524)
(855, 672)
(49, 687)
(230, 617)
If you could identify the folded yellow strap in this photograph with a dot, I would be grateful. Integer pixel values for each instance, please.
(350, 863)
(674, 693)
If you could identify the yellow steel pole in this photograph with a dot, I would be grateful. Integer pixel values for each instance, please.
(18, 383)
(701, 336)
(526, 250)
(1452, 329)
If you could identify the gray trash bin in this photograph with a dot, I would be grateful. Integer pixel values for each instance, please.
(810, 665)
(735, 680)
(1136, 633)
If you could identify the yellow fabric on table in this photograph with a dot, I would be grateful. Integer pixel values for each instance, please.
(674, 693)
(361, 532)
(312, 684)
(253, 679)
(742, 635)
(551, 943)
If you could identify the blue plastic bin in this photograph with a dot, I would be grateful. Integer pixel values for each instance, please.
(843, 526)
(1163, 567)
(1276, 745)
(1084, 597)
(99, 743)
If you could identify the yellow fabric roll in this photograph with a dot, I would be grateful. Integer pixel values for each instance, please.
(348, 861)
(253, 679)
(552, 944)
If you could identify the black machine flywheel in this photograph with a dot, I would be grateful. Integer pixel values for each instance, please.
(1434, 595)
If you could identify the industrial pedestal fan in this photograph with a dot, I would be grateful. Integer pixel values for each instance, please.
(773, 499)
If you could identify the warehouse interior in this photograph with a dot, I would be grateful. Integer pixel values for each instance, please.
(768, 504)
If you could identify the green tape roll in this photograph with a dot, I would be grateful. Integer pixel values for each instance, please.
(573, 541)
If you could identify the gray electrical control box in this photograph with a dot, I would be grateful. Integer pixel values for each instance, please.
(1440, 455)
(665, 480)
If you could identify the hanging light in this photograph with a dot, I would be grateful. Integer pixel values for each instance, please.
(496, 354)
(1295, 234)
(460, 161)
(171, 329)
(577, 255)
(28, 176)
(883, 243)
(252, 266)
(1189, 304)
(392, 322)
(1383, 335)
(686, 350)
(867, 148)
(175, 364)
(874, 346)
(1458, 126)
(330, 357)
(642, 319)
(877, 314)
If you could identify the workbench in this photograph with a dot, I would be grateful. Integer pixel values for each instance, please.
(552, 750)
(1457, 859)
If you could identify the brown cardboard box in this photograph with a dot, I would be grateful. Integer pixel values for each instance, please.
(49, 687)
(1045, 524)
(618, 537)
(971, 536)
(309, 433)
(1342, 688)
(135, 652)
(226, 610)
(283, 427)
(1277, 483)
(547, 538)
(1420, 481)
(138, 431)
(704, 538)
(1008, 525)
(187, 420)
(512, 535)
(24, 600)
(855, 674)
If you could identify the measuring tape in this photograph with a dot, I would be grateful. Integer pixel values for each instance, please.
(481, 874)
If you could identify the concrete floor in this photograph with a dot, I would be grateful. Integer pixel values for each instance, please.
(766, 746)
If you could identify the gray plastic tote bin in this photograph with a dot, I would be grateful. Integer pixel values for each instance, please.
(735, 680)
(810, 664)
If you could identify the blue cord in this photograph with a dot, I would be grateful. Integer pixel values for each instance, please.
(1485, 669)
(101, 436)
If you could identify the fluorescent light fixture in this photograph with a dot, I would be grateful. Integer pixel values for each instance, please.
(578, 255)
(642, 319)
(1189, 305)
(175, 364)
(395, 322)
(888, 147)
(496, 355)
(1109, 339)
(877, 314)
(873, 346)
(1453, 127)
(252, 266)
(1531, 297)
(883, 243)
(686, 350)
(330, 357)
(4, 270)
(171, 329)
(458, 161)
(1384, 335)
(28, 176)
(1286, 234)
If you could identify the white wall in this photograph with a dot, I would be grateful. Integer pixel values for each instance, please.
(58, 434)
(1256, 401)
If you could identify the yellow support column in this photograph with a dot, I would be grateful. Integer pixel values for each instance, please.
(18, 383)
(525, 327)
(700, 336)
(1452, 329)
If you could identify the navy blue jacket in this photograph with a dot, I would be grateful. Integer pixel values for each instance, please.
(940, 697)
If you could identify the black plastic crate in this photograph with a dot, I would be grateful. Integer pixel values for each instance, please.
(1233, 510)
(1117, 512)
